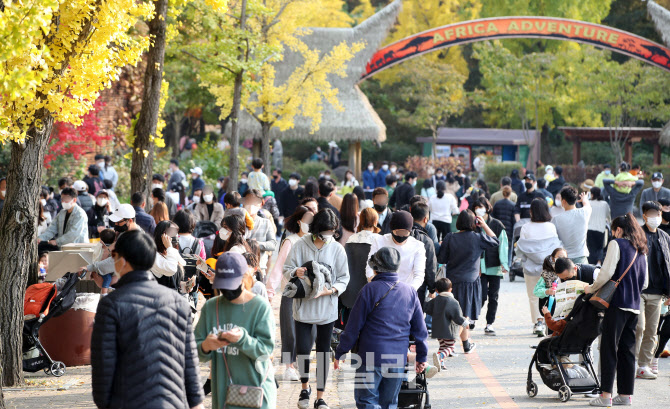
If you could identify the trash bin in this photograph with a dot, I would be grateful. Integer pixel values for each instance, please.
(67, 338)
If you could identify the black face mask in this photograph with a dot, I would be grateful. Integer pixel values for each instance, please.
(399, 239)
(230, 295)
(528, 185)
(666, 216)
(121, 229)
(380, 208)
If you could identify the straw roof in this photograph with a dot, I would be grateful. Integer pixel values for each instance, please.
(358, 121)
(661, 18)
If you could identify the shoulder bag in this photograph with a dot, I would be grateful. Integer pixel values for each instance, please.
(241, 395)
(355, 348)
(602, 298)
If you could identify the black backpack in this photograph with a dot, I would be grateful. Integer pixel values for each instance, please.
(191, 258)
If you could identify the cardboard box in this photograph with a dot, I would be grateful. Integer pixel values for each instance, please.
(61, 262)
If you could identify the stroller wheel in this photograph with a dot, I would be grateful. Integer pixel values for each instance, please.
(57, 369)
(564, 393)
(531, 389)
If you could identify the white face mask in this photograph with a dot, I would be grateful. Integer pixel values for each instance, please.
(43, 201)
(292, 182)
(414, 183)
(439, 175)
(196, 199)
(653, 222)
(68, 205)
(102, 202)
(480, 211)
(224, 234)
(657, 185)
(218, 185)
(327, 238)
(243, 181)
(156, 186)
(208, 198)
(101, 164)
(3, 192)
(253, 209)
(371, 168)
(304, 227)
(194, 177)
(393, 169)
(385, 167)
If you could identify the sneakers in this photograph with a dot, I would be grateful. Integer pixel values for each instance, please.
(602, 402)
(303, 399)
(644, 372)
(593, 394)
(290, 374)
(654, 366)
(621, 401)
(468, 347)
(432, 370)
(472, 325)
(489, 331)
(320, 404)
(437, 359)
(539, 329)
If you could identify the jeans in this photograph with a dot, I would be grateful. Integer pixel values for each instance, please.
(617, 351)
(490, 290)
(107, 280)
(378, 387)
(304, 342)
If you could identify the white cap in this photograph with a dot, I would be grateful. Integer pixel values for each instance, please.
(197, 170)
(80, 186)
(125, 211)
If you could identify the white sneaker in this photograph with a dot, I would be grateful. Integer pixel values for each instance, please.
(436, 361)
(654, 366)
(621, 401)
(644, 372)
(432, 371)
(291, 374)
(539, 329)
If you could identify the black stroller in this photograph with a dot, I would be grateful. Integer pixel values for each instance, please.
(54, 299)
(552, 355)
(414, 393)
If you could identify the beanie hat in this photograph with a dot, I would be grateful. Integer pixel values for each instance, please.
(401, 220)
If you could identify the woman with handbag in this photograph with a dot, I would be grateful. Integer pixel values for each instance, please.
(617, 289)
(236, 332)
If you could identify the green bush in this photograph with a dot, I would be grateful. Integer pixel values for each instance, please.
(213, 160)
(493, 172)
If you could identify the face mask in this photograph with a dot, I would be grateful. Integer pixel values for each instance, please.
(67, 206)
(380, 208)
(224, 234)
(243, 181)
(194, 177)
(327, 238)
(399, 239)
(393, 170)
(653, 222)
(292, 182)
(120, 268)
(528, 185)
(253, 209)
(156, 186)
(370, 168)
(480, 211)
(608, 172)
(231, 295)
(656, 185)
(439, 175)
(218, 185)
(414, 183)
(385, 167)
(208, 198)
(666, 216)
(3, 192)
(102, 202)
(327, 177)
(196, 199)
(101, 164)
(121, 229)
(43, 201)
(304, 227)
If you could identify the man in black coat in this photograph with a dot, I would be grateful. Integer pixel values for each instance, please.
(290, 198)
(557, 184)
(420, 213)
(403, 193)
(380, 200)
(143, 352)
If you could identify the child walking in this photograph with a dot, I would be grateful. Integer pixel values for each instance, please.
(448, 322)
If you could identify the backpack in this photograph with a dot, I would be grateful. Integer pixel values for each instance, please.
(190, 256)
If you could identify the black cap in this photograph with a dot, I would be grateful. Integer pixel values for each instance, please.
(385, 260)
(657, 175)
(401, 220)
(530, 176)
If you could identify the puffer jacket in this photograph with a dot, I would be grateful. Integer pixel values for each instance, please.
(533, 252)
(503, 210)
(143, 352)
(317, 278)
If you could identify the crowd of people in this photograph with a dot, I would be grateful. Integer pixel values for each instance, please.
(377, 263)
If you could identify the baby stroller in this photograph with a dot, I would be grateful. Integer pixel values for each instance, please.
(412, 393)
(44, 301)
(552, 355)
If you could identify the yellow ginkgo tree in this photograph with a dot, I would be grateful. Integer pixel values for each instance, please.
(56, 57)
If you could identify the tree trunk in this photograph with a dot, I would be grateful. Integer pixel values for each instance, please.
(265, 147)
(434, 129)
(143, 149)
(18, 244)
(235, 114)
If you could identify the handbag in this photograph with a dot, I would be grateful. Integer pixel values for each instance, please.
(355, 348)
(241, 395)
(602, 298)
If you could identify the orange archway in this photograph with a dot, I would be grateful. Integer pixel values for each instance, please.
(519, 27)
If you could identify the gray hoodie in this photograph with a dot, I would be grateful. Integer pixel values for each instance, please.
(533, 252)
(321, 310)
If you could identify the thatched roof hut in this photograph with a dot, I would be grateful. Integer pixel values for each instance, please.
(661, 18)
(358, 121)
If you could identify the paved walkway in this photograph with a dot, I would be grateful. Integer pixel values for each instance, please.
(492, 377)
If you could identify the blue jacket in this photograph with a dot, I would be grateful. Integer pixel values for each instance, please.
(368, 179)
(387, 329)
(197, 184)
(380, 179)
(144, 220)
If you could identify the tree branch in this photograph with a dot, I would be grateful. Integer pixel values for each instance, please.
(205, 61)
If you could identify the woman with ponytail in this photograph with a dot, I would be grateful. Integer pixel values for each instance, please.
(442, 206)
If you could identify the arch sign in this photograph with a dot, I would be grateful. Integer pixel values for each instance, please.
(519, 27)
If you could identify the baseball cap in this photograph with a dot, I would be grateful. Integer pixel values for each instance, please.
(80, 186)
(530, 176)
(125, 211)
(657, 175)
(197, 170)
(230, 269)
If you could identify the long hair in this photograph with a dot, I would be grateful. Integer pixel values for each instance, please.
(548, 265)
(311, 189)
(349, 211)
(161, 228)
(440, 187)
(631, 231)
(160, 212)
(237, 226)
(369, 219)
(291, 223)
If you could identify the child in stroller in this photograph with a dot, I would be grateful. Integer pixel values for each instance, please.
(552, 355)
(44, 301)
